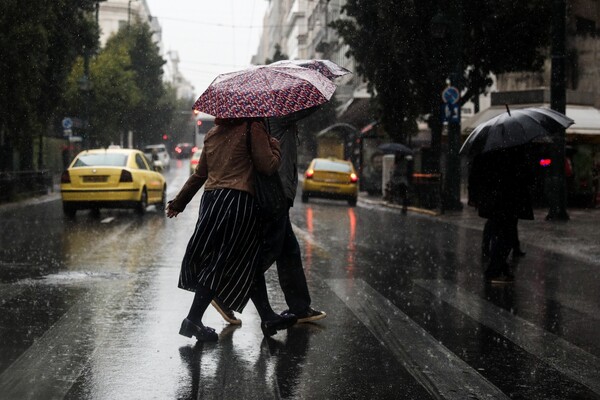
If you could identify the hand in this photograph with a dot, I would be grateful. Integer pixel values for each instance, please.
(170, 212)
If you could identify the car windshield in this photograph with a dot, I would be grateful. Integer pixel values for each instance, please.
(325, 165)
(103, 159)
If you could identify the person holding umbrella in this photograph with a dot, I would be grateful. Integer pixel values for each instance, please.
(499, 178)
(280, 244)
(222, 259)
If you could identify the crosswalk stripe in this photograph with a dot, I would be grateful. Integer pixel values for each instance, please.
(574, 362)
(435, 367)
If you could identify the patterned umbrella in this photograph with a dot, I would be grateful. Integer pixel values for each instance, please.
(263, 91)
(327, 68)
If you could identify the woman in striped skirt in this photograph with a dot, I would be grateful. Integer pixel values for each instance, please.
(221, 259)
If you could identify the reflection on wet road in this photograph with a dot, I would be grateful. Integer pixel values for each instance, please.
(90, 309)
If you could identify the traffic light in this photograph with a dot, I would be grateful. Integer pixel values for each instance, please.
(165, 136)
(198, 123)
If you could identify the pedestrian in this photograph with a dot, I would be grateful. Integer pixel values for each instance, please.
(498, 188)
(401, 179)
(222, 256)
(280, 244)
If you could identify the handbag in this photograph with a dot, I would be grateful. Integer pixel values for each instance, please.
(268, 190)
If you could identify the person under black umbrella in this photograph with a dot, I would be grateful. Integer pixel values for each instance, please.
(499, 189)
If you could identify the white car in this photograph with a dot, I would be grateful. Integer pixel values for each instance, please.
(158, 152)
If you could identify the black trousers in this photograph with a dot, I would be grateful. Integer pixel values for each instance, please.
(281, 246)
(501, 234)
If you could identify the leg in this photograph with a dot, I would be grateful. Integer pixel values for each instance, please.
(486, 239)
(192, 325)
(516, 244)
(270, 321)
(293, 281)
(500, 246)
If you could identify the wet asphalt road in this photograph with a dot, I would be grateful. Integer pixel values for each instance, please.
(89, 309)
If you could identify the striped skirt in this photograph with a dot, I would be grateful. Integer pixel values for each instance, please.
(223, 252)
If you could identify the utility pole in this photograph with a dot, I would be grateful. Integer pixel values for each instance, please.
(558, 102)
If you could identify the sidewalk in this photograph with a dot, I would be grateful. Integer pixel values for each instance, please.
(579, 238)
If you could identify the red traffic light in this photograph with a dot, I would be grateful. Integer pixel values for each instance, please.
(165, 136)
(545, 162)
(199, 122)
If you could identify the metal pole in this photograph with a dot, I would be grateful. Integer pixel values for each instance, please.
(452, 186)
(558, 102)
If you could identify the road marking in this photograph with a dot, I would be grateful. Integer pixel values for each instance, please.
(64, 348)
(107, 220)
(435, 367)
(574, 362)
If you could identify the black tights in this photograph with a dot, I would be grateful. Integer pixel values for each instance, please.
(258, 295)
(202, 299)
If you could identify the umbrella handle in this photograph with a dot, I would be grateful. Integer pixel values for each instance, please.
(507, 110)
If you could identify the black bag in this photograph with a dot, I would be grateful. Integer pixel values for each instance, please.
(268, 190)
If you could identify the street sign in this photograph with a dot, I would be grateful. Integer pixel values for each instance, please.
(451, 113)
(450, 95)
(67, 132)
(67, 123)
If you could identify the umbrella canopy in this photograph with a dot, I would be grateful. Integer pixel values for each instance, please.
(327, 68)
(514, 128)
(395, 148)
(263, 91)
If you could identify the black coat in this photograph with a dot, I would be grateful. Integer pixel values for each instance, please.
(499, 185)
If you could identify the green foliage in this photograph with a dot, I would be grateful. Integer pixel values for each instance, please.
(38, 50)
(393, 44)
(127, 93)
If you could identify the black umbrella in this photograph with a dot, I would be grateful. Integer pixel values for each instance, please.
(514, 128)
(395, 148)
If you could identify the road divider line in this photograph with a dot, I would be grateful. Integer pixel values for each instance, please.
(565, 357)
(443, 374)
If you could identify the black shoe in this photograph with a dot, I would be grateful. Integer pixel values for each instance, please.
(226, 313)
(202, 333)
(309, 315)
(281, 322)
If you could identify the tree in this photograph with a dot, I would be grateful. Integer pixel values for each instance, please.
(277, 56)
(406, 67)
(38, 51)
(127, 92)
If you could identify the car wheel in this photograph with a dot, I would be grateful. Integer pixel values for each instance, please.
(69, 210)
(352, 202)
(304, 198)
(163, 201)
(143, 203)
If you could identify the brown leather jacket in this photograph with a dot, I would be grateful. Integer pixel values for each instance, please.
(225, 162)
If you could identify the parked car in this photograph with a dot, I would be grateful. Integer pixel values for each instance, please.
(158, 152)
(184, 150)
(195, 160)
(330, 178)
(111, 178)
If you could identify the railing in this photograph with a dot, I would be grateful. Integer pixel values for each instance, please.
(16, 185)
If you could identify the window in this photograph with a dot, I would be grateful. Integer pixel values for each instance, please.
(141, 163)
(100, 160)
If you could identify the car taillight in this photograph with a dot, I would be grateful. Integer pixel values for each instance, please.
(194, 149)
(178, 149)
(126, 176)
(353, 178)
(309, 173)
(65, 177)
(194, 162)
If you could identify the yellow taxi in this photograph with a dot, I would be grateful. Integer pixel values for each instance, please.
(111, 178)
(330, 178)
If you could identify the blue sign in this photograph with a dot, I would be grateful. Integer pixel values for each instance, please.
(450, 95)
(451, 113)
(67, 123)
